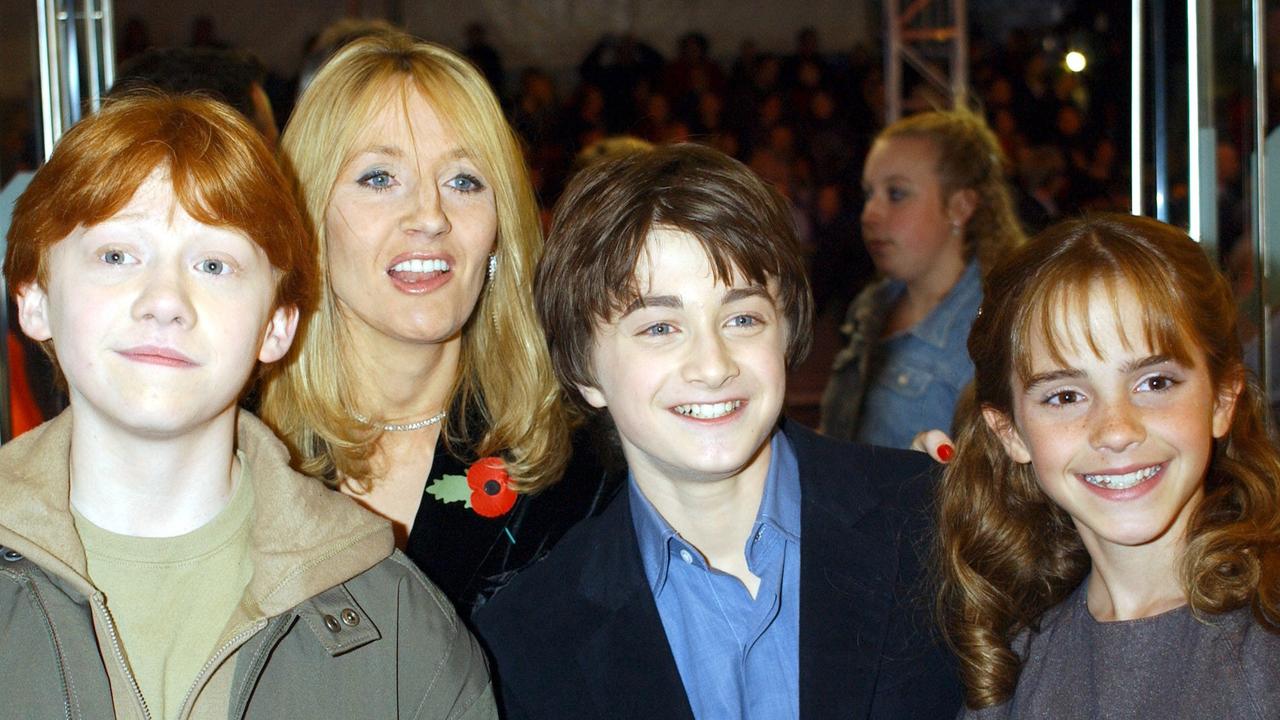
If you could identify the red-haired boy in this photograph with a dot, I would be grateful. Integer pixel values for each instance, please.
(160, 558)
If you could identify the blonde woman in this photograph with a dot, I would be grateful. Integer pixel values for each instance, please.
(422, 386)
(937, 214)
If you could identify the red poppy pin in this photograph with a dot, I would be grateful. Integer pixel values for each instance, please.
(491, 493)
(486, 488)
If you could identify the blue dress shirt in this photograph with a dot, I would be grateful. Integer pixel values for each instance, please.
(738, 656)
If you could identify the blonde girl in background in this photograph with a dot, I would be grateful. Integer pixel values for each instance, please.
(937, 214)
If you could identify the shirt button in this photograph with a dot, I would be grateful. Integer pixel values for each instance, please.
(331, 622)
(686, 556)
(902, 379)
(350, 617)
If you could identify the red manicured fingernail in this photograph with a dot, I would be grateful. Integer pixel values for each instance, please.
(945, 451)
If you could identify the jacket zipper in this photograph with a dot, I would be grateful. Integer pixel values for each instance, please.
(57, 644)
(217, 657)
(115, 646)
(276, 630)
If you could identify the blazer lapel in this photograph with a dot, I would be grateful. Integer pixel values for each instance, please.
(848, 569)
(627, 659)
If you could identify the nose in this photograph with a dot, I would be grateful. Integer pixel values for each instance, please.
(871, 210)
(425, 212)
(164, 297)
(1116, 425)
(710, 361)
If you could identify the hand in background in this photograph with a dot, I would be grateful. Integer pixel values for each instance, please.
(936, 443)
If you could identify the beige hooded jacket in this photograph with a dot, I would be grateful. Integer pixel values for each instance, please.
(333, 624)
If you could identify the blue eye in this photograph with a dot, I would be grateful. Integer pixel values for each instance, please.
(659, 330)
(896, 194)
(466, 183)
(115, 257)
(213, 266)
(377, 179)
(744, 321)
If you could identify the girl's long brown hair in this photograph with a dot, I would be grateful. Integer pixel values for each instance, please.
(1005, 552)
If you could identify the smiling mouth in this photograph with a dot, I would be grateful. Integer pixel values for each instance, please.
(1123, 481)
(707, 411)
(418, 270)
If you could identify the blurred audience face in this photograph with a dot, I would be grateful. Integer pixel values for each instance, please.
(905, 219)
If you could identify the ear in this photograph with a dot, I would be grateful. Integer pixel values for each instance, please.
(1003, 427)
(33, 312)
(961, 204)
(278, 336)
(593, 396)
(1224, 405)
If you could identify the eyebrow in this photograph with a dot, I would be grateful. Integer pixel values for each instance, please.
(1073, 374)
(895, 178)
(388, 150)
(668, 301)
(731, 295)
(458, 153)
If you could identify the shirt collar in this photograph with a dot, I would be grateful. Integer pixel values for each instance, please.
(959, 305)
(779, 508)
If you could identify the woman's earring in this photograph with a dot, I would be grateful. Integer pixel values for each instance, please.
(955, 231)
(493, 270)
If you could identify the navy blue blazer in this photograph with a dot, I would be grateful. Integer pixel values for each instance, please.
(578, 635)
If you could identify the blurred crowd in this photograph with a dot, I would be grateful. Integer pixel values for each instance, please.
(803, 120)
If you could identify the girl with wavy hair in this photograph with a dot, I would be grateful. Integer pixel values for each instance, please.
(1109, 539)
(422, 385)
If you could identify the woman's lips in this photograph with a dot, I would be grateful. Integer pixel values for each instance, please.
(416, 274)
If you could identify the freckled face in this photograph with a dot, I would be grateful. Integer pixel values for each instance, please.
(409, 228)
(157, 318)
(905, 220)
(1121, 442)
(695, 376)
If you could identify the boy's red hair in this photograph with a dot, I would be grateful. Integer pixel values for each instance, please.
(220, 168)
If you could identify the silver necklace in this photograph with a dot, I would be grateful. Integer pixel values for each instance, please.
(403, 427)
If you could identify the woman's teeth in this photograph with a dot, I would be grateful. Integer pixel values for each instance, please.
(420, 266)
(1122, 482)
(708, 411)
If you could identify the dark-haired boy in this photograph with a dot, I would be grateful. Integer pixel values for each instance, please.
(752, 569)
(160, 559)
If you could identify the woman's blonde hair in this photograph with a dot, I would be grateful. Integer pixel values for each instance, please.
(1006, 552)
(505, 399)
(969, 158)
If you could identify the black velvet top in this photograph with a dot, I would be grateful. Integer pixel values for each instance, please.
(470, 556)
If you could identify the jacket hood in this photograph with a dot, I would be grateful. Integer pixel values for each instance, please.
(304, 537)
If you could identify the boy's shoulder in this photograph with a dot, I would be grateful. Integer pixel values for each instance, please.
(596, 545)
(841, 477)
(850, 476)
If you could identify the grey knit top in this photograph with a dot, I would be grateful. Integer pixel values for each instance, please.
(1172, 666)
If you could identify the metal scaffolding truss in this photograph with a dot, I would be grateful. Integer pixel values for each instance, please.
(933, 37)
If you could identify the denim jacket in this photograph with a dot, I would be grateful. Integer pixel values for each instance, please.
(884, 391)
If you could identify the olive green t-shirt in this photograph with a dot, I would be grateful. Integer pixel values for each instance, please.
(171, 597)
